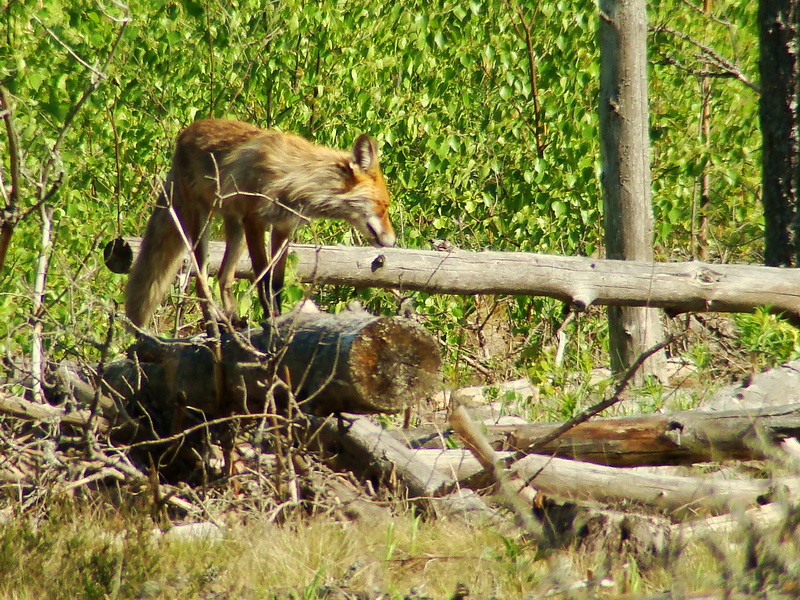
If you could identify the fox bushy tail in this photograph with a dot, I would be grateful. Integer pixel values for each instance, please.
(156, 265)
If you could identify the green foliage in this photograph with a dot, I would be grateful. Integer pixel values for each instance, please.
(731, 156)
(485, 112)
(768, 338)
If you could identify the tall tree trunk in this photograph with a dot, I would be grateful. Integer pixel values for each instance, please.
(700, 238)
(778, 68)
(625, 155)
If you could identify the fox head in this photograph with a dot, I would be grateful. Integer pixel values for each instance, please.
(369, 196)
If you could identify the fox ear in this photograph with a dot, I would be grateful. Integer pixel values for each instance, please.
(365, 152)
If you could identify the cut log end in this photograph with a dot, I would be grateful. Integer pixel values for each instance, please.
(394, 358)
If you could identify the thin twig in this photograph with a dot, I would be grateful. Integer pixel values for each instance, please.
(37, 349)
(727, 68)
(66, 47)
(477, 443)
(204, 425)
(94, 82)
(100, 372)
(524, 32)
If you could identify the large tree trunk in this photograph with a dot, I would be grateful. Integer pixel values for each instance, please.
(778, 67)
(624, 151)
(352, 361)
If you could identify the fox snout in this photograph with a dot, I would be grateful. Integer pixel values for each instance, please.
(379, 232)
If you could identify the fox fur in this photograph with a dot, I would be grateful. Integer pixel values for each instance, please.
(254, 179)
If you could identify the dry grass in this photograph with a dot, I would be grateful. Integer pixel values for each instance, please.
(69, 551)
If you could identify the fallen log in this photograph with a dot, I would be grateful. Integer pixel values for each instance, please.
(364, 447)
(359, 445)
(570, 479)
(579, 481)
(580, 281)
(352, 362)
(33, 411)
(678, 438)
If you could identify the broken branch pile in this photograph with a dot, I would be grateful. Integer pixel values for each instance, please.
(288, 378)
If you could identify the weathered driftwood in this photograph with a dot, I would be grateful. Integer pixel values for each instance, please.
(580, 281)
(351, 362)
(678, 438)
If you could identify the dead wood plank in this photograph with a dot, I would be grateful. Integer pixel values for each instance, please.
(678, 438)
(580, 281)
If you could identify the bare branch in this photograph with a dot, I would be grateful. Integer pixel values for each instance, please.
(37, 350)
(726, 67)
(702, 11)
(94, 82)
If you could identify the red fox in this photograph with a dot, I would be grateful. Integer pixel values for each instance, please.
(253, 178)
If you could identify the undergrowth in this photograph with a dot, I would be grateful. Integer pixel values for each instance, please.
(71, 550)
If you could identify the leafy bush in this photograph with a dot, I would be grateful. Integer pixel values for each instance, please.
(485, 112)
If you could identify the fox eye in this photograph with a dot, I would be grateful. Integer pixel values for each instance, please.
(347, 170)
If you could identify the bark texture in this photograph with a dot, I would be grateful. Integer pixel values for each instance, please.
(778, 69)
(625, 156)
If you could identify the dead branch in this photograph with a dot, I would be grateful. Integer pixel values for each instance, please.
(10, 216)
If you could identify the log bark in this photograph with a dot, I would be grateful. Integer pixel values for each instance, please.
(777, 103)
(370, 451)
(352, 362)
(569, 479)
(356, 362)
(678, 438)
(676, 287)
